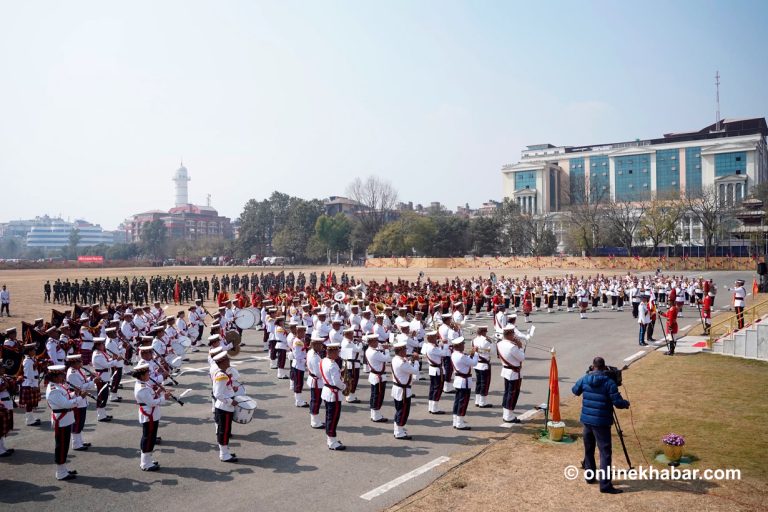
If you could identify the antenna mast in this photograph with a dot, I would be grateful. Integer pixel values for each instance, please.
(717, 100)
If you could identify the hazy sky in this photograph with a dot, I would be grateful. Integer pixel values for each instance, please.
(100, 100)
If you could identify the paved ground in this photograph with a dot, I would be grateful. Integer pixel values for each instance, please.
(282, 461)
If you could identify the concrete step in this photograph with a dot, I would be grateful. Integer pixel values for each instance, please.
(739, 343)
(750, 345)
(728, 345)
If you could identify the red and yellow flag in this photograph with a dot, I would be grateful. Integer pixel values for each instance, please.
(554, 391)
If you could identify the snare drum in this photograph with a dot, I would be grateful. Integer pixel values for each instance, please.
(244, 409)
(174, 361)
(178, 348)
(245, 319)
(184, 341)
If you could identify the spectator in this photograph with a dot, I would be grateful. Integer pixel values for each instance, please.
(600, 396)
(5, 301)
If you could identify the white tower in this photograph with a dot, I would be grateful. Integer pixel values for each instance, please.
(181, 178)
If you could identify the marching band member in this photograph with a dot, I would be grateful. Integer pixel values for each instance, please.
(77, 379)
(117, 351)
(511, 354)
(435, 353)
(56, 354)
(332, 385)
(6, 412)
(377, 361)
(298, 365)
(29, 396)
(462, 381)
(482, 347)
(225, 388)
(500, 319)
(149, 401)
(739, 301)
(281, 348)
(102, 365)
(403, 371)
(61, 402)
(314, 383)
(447, 334)
(350, 353)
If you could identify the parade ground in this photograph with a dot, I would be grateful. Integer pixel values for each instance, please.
(283, 463)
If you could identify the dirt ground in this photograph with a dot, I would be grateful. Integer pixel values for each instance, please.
(26, 286)
(724, 427)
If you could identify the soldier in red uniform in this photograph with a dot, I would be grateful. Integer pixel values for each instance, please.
(706, 310)
(671, 316)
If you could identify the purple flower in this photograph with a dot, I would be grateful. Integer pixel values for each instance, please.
(673, 439)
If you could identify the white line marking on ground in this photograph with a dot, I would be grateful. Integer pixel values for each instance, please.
(526, 415)
(686, 327)
(404, 478)
(634, 356)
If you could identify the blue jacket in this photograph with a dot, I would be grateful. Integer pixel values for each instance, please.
(600, 396)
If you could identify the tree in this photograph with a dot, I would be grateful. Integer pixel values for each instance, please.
(515, 228)
(544, 242)
(334, 233)
(586, 214)
(450, 238)
(153, 238)
(484, 236)
(74, 239)
(411, 235)
(710, 211)
(296, 226)
(625, 218)
(377, 200)
(660, 222)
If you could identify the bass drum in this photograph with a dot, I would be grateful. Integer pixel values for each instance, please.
(245, 319)
(184, 341)
(233, 338)
(11, 361)
(256, 314)
(244, 409)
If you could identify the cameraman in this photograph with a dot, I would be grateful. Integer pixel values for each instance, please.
(600, 396)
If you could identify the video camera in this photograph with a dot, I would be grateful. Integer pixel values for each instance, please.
(611, 372)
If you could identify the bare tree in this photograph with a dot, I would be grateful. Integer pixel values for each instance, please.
(710, 211)
(625, 217)
(660, 222)
(586, 212)
(377, 199)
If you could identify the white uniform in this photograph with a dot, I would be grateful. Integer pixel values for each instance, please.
(61, 403)
(510, 355)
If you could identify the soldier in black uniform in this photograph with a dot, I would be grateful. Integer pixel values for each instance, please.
(47, 292)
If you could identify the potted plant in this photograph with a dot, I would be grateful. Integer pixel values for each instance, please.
(673, 447)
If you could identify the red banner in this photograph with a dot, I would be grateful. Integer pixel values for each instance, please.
(90, 259)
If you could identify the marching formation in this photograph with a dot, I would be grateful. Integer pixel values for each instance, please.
(321, 337)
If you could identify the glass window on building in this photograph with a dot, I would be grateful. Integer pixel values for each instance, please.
(727, 164)
(631, 183)
(577, 182)
(525, 180)
(599, 181)
(693, 170)
(667, 174)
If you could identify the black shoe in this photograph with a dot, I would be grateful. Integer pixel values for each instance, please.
(303, 406)
(231, 459)
(73, 472)
(380, 420)
(70, 476)
(87, 445)
(611, 490)
(590, 482)
(35, 423)
(7, 453)
(404, 438)
(105, 419)
(81, 449)
(466, 427)
(318, 427)
(120, 386)
(668, 353)
(153, 467)
(159, 440)
(486, 406)
(356, 401)
(118, 399)
(438, 412)
(513, 420)
(339, 448)
(643, 344)
(451, 392)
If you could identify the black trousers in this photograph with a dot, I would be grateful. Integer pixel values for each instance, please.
(740, 315)
(353, 375)
(377, 395)
(635, 307)
(649, 330)
(62, 437)
(332, 415)
(600, 437)
(482, 382)
(77, 426)
(272, 350)
(461, 401)
(297, 377)
(149, 435)
(436, 387)
(511, 393)
(447, 368)
(281, 353)
(223, 425)
(314, 400)
(116, 378)
(402, 410)
(101, 398)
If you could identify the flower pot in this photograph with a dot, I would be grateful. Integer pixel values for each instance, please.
(673, 453)
(556, 430)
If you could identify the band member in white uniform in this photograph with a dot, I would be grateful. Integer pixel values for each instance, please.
(149, 401)
(225, 388)
(511, 354)
(79, 381)
(314, 383)
(483, 347)
(377, 358)
(434, 353)
(61, 402)
(404, 369)
(332, 387)
(462, 381)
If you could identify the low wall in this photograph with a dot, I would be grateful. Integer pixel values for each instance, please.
(568, 262)
(31, 264)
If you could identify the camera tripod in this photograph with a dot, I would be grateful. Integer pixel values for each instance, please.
(620, 433)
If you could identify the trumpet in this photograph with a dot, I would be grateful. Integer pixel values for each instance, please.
(81, 392)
